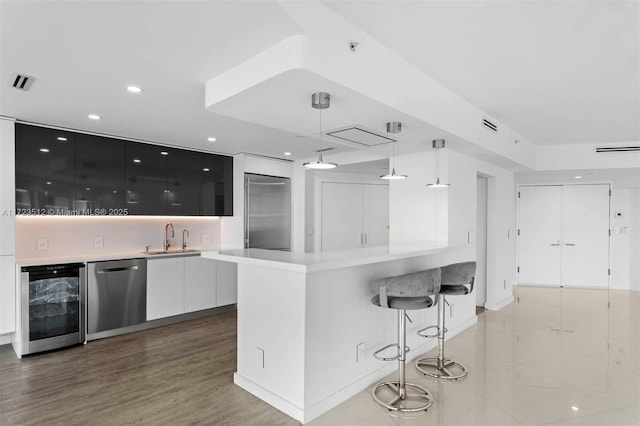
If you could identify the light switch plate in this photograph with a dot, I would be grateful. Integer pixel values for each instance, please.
(472, 237)
(43, 244)
(360, 352)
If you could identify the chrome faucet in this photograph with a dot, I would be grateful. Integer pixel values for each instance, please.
(184, 243)
(166, 236)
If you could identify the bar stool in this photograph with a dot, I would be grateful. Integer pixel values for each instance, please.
(404, 292)
(457, 279)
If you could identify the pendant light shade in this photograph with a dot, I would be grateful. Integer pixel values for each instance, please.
(438, 144)
(320, 101)
(393, 127)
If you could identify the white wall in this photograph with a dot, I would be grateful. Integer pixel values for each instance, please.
(634, 240)
(620, 243)
(418, 213)
(501, 211)
(75, 235)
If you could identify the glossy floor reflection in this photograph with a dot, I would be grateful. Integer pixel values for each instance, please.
(555, 356)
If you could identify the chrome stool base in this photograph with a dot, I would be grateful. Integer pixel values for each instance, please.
(418, 400)
(445, 370)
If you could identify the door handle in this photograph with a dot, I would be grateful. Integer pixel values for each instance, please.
(555, 245)
(124, 268)
(570, 244)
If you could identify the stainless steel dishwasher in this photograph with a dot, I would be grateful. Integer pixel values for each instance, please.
(116, 296)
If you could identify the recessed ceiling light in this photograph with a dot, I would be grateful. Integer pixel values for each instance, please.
(574, 408)
(136, 160)
(88, 189)
(62, 138)
(94, 116)
(134, 89)
(577, 177)
(206, 169)
(48, 182)
(211, 139)
(287, 153)
(44, 149)
(115, 192)
(164, 153)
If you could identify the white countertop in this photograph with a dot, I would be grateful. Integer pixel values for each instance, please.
(310, 262)
(80, 258)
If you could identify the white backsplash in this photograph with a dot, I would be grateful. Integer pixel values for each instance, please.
(63, 235)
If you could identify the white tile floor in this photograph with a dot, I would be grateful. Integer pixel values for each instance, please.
(559, 357)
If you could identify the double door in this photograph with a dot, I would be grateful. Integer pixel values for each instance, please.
(564, 235)
(354, 215)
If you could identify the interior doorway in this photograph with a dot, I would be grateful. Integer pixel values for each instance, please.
(482, 196)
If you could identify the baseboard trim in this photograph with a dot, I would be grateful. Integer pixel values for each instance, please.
(499, 304)
(5, 339)
(307, 414)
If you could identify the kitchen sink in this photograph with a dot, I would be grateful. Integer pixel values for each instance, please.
(177, 251)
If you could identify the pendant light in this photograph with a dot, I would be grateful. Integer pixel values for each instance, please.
(438, 144)
(320, 101)
(393, 127)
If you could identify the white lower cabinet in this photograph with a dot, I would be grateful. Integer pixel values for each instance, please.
(199, 283)
(7, 294)
(179, 285)
(165, 287)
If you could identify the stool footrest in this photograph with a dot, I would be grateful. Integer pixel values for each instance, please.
(412, 398)
(391, 345)
(445, 369)
(422, 332)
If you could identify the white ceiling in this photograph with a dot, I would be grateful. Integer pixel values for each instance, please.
(557, 72)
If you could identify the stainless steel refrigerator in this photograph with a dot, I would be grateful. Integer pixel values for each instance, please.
(267, 213)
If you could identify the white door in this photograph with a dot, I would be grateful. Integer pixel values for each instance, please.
(540, 234)
(481, 241)
(341, 216)
(376, 215)
(585, 227)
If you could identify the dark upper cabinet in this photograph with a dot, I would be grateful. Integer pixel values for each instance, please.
(217, 185)
(184, 181)
(45, 170)
(146, 190)
(100, 174)
(61, 172)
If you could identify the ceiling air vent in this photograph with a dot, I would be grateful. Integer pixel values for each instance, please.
(618, 148)
(22, 81)
(489, 125)
(360, 136)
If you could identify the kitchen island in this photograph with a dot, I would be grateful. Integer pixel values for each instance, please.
(307, 328)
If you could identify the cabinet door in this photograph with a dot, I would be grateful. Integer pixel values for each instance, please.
(376, 215)
(217, 185)
(184, 181)
(199, 283)
(165, 287)
(100, 173)
(226, 283)
(45, 170)
(146, 179)
(341, 216)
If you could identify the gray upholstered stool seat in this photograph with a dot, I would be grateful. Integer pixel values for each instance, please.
(457, 279)
(404, 292)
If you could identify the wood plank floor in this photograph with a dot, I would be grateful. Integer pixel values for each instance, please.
(177, 374)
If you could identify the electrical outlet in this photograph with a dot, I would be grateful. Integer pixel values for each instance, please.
(260, 357)
(43, 244)
(360, 352)
(98, 241)
(471, 237)
(206, 238)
